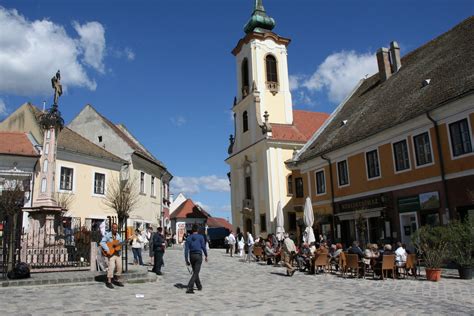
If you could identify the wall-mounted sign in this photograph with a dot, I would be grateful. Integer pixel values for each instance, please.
(429, 200)
(360, 204)
(409, 204)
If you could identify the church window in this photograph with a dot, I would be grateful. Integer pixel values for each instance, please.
(245, 77)
(271, 63)
(248, 188)
(245, 120)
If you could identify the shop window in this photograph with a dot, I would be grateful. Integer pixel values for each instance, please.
(460, 138)
(422, 149)
(400, 154)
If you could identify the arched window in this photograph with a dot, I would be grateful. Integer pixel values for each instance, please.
(245, 120)
(271, 63)
(290, 185)
(45, 166)
(43, 185)
(245, 77)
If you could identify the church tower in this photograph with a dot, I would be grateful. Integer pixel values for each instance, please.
(262, 78)
(266, 128)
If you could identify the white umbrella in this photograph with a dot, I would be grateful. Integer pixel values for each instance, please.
(308, 221)
(280, 222)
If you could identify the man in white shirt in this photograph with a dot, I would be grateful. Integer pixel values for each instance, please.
(250, 243)
(400, 255)
(231, 241)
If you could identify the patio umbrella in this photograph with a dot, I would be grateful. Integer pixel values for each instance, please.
(308, 221)
(280, 230)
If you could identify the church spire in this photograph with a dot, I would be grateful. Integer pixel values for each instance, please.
(259, 21)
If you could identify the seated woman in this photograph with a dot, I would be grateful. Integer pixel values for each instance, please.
(270, 252)
(334, 256)
(304, 258)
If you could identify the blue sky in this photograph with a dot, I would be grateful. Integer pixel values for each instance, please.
(164, 68)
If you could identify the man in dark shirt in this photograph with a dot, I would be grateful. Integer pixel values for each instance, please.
(355, 249)
(158, 250)
(194, 247)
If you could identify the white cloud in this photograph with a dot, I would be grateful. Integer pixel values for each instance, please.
(129, 53)
(32, 52)
(193, 185)
(339, 73)
(178, 121)
(3, 108)
(295, 81)
(92, 43)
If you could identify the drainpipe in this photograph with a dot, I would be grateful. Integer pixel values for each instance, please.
(332, 198)
(441, 163)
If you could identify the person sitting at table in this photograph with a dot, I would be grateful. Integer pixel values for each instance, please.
(334, 257)
(371, 254)
(312, 248)
(304, 257)
(400, 255)
(270, 253)
(355, 249)
(387, 250)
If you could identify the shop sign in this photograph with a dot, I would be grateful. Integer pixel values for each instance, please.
(361, 204)
(408, 204)
(429, 200)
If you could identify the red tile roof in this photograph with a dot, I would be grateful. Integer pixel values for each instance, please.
(213, 222)
(15, 143)
(305, 124)
(188, 209)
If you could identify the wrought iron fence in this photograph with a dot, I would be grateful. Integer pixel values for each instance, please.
(56, 243)
(10, 232)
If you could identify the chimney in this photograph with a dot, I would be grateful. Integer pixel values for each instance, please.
(383, 62)
(395, 57)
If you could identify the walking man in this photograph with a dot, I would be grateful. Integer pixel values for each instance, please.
(194, 247)
(149, 237)
(232, 241)
(289, 249)
(158, 251)
(111, 244)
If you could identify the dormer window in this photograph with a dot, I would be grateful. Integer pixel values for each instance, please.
(245, 78)
(245, 121)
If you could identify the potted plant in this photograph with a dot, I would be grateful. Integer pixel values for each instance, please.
(461, 246)
(432, 244)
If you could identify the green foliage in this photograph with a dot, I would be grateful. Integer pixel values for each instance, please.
(461, 241)
(432, 242)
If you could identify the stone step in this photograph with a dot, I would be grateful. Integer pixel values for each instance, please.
(135, 275)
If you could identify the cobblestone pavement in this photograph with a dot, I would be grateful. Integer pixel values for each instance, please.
(235, 287)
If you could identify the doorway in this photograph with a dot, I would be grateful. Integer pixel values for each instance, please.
(248, 225)
(408, 225)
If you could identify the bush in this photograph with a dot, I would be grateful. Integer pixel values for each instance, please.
(432, 243)
(461, 242)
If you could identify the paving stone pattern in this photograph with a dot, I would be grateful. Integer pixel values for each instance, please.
(234, 287)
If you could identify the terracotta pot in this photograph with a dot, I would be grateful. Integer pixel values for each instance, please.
(433, 274)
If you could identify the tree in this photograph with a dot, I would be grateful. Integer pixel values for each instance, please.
(122, 196)
(65, 200)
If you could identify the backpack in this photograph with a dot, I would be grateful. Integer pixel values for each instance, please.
(20, 271)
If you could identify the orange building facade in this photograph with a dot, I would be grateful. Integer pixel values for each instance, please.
(398, 152)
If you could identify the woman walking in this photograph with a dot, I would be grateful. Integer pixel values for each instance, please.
(137, 244)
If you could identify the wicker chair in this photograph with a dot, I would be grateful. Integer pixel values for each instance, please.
(411, 264)
(388, 264)
(343, 264)
(353, 263)
(258, 252)
(321, 260)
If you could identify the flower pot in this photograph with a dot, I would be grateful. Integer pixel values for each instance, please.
(433, 274)
(465, 272)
